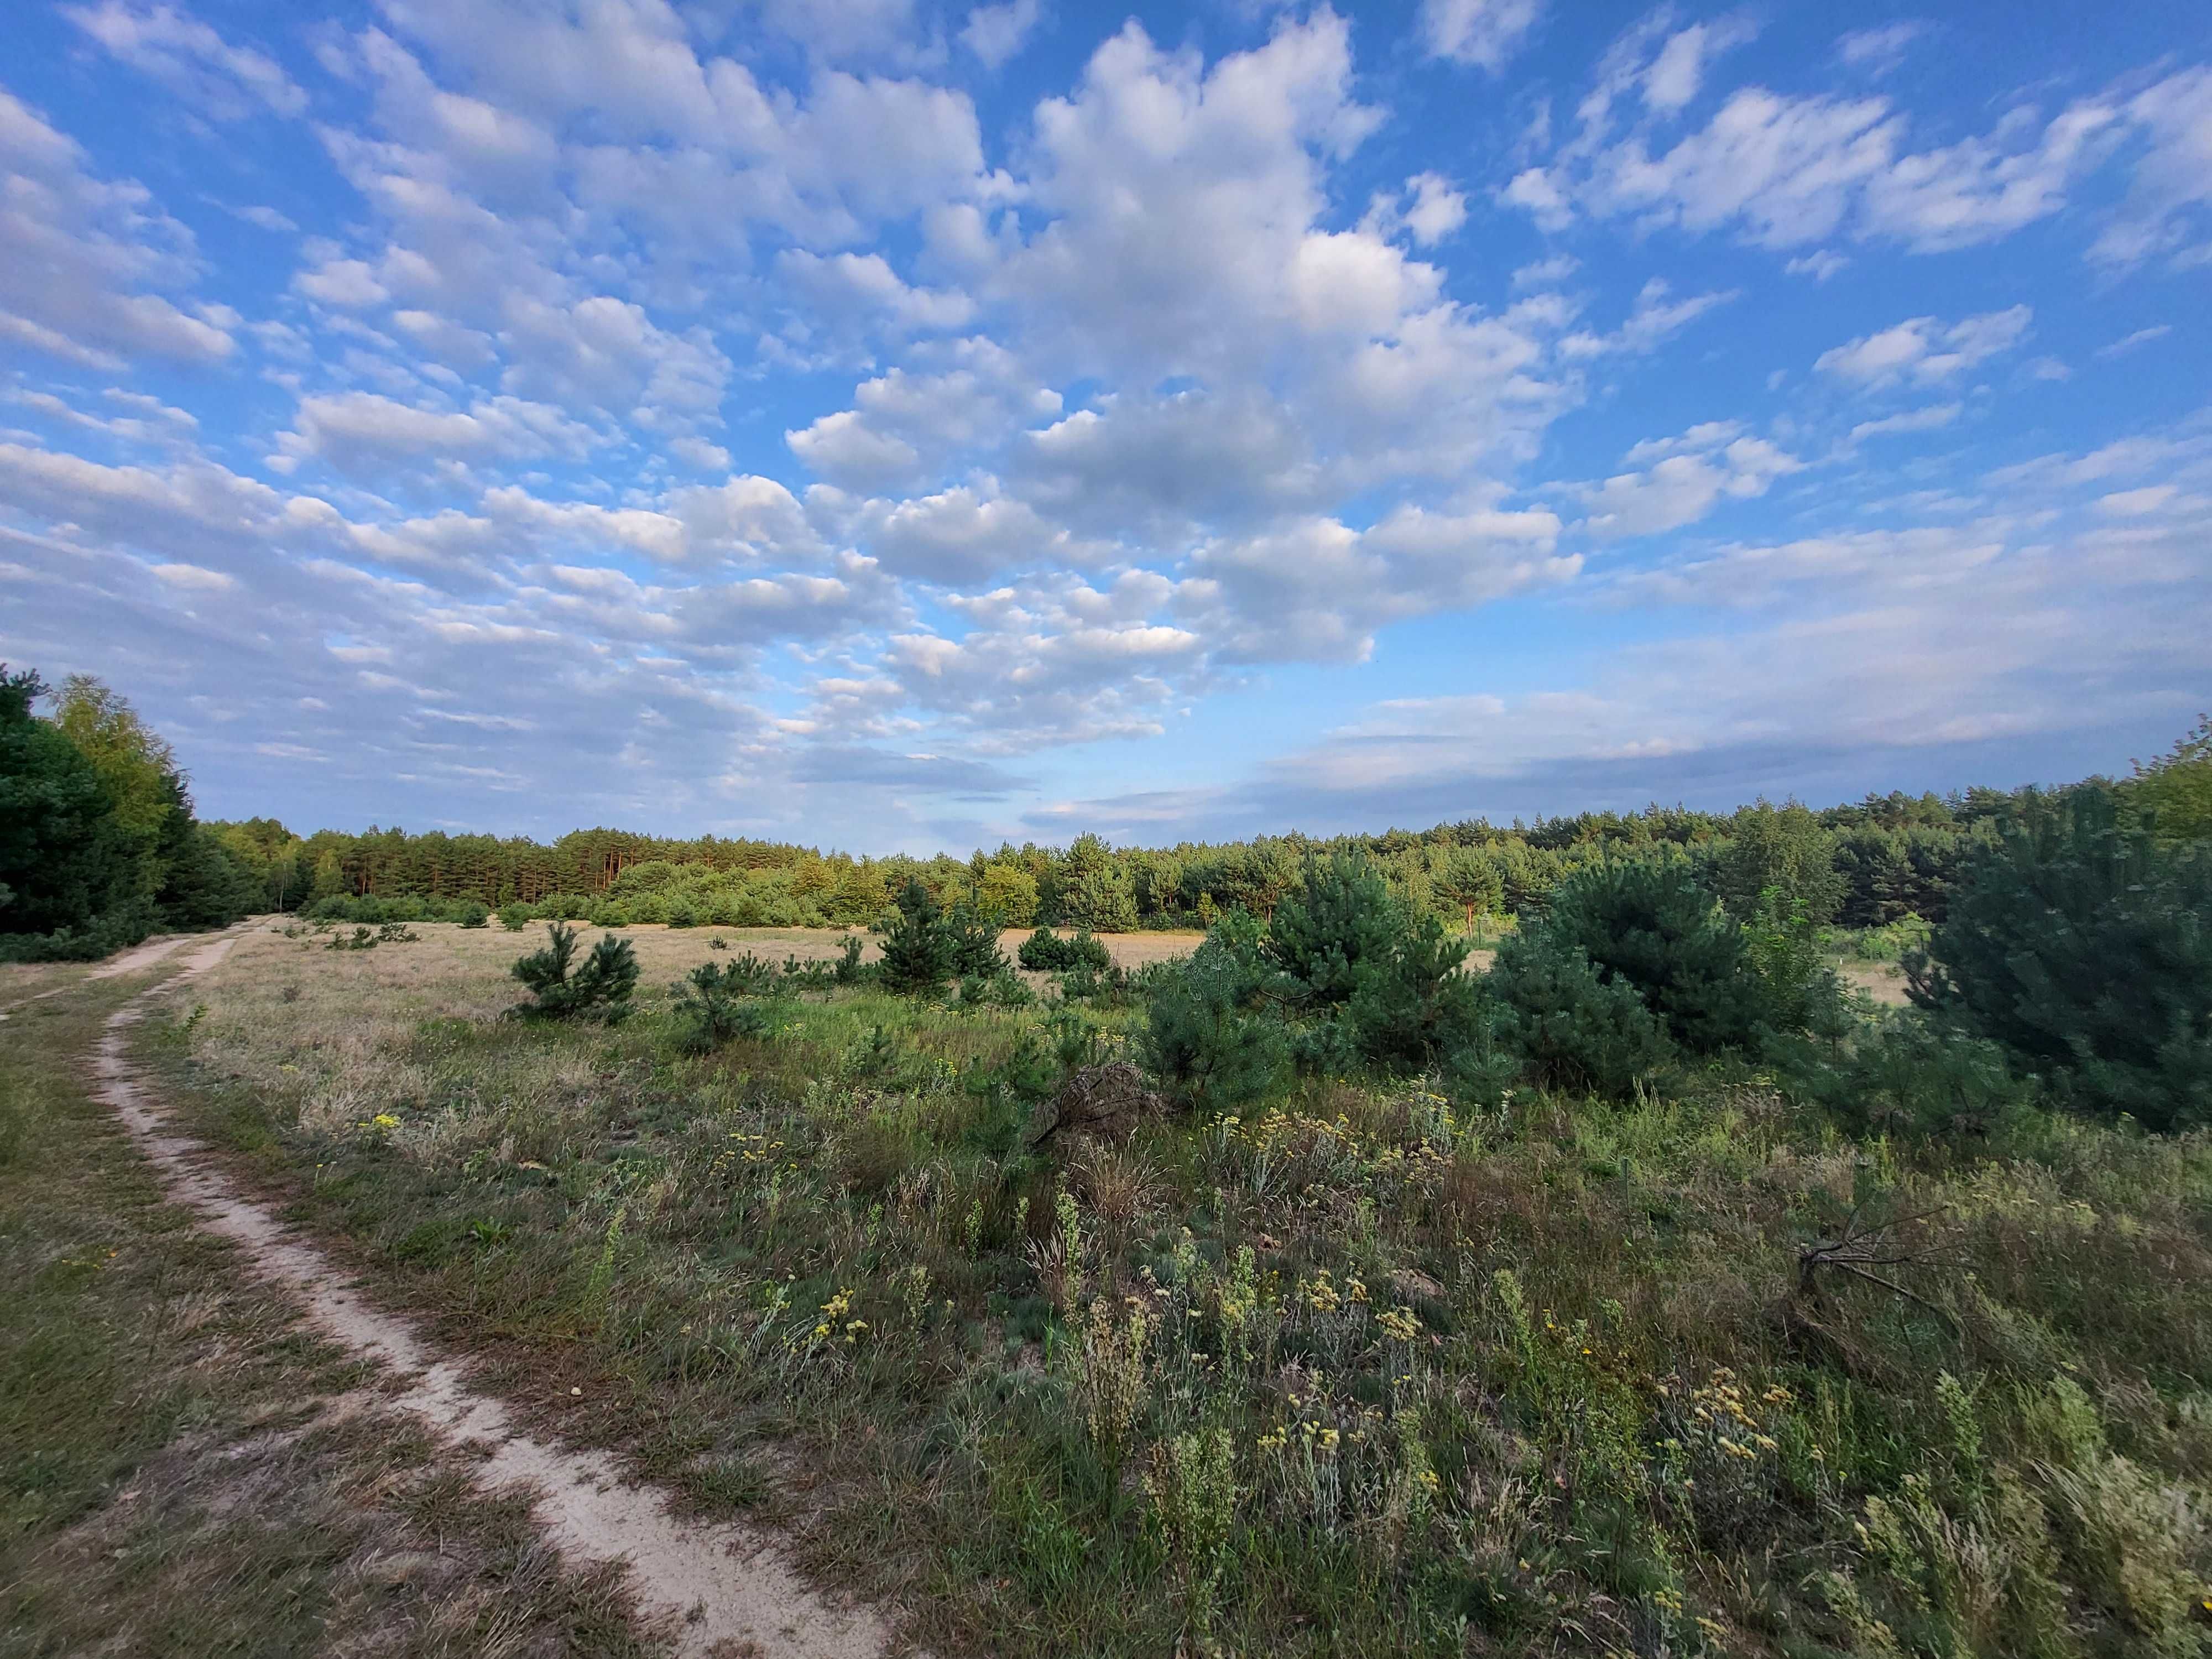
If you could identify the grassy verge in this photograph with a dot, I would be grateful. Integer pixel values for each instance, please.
(1354, 1374)
(171, 1480)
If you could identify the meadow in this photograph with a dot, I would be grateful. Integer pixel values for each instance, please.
(1365, 1360)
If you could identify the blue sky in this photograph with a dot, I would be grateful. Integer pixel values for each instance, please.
(895, 425)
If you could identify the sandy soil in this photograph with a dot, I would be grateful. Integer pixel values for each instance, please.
(1882, 981)
(723, 1589)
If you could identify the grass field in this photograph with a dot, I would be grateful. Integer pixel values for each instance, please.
(183, 1469)
(1350, 1374)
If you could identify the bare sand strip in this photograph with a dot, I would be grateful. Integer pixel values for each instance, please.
(724, 1590)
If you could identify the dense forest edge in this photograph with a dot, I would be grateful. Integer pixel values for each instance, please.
(100, 847)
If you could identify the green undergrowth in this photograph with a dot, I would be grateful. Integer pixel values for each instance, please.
(1351, 1370)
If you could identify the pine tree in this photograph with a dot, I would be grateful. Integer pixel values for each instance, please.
(2084, 947)
(918, 947)
(1343, 923)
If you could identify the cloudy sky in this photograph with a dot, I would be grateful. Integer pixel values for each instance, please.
(894, 424)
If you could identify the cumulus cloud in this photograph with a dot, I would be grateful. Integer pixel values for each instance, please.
(1787, 172)
(2164, 215)
(995, 33)
(1483, 32)
(1684, 479)
(1085, 414)
(353, 428)
(87, 256)
(219, 79)
(1924, 351)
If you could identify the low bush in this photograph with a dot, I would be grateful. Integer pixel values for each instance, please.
(1570, 1026)
(2084, 947)
(717, 1001)
(1209, 1037)
(1047, 952)
(1648, 925)
(1907, 1075)
(600, 987)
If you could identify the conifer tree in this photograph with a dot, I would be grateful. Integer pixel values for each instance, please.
(918, 948)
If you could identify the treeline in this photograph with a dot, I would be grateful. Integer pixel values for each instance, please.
(1870, 865)
(98, 844)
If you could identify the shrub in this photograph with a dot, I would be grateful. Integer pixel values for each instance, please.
(474, 915)
(1047, 952)
(2084, 947)
(1344, 922)
(1205, 1037)
(1907, 1074)
(514, 917)
(848, 969)
(1572, 1027)
(1647, 924)
(1084, 983)
(1417, 1002)
(560, 990)
(716, 1002)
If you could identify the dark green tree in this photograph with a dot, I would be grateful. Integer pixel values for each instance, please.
(2083, 945)
(1572, 1026)
(1094, 888)
(918, 947)
(64, 860)
(562, 989)
(1343, 924)
(1780, 849)
(1211, 1036)
(2175, 790)
(1647, 924)
(1415, 1003)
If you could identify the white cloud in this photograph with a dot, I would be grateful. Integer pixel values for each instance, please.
(351, 428)
(2142, 336)
(1483, 32)
(1881, 48)
(1788, 172)
(83, 254)
(1678, 69)
(1314, 589)
(963, 536)
(1924, 350)
(218, 79)
(843, 449)
(2164, 214)
(1544, 273)
(196, 578)
(348, 284)
(1819, 265)
(1437, 210)
(852, 290)
(1931, 419)
(995, 33)
(1688, 477)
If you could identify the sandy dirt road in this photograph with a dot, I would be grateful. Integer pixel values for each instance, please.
(718, 1591)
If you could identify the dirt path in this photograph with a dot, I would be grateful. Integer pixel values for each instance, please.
(725, 1590)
